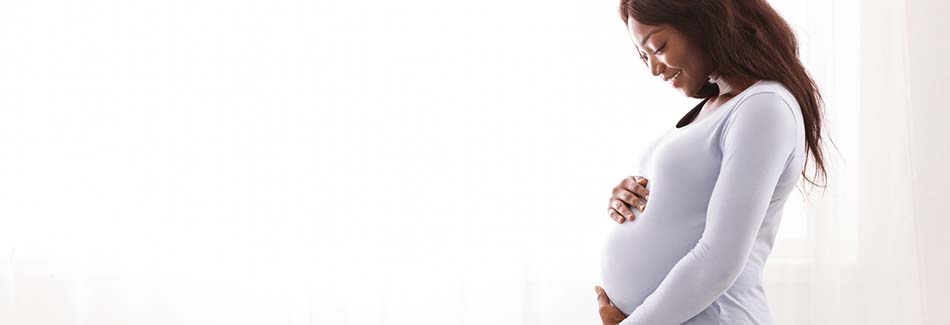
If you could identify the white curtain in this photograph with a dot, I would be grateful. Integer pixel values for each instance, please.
(859, 262)
(414, 162)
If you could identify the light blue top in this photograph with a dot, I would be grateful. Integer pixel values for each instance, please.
(717, 189)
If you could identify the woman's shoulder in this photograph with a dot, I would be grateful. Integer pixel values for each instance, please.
(769, 95)
(769, 103)
(771, 88)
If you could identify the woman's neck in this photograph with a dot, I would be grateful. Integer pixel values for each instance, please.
(732, 85)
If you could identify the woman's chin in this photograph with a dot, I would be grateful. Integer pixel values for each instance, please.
(691, 92)
(686, 91)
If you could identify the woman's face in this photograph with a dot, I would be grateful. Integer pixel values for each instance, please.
(669, 55)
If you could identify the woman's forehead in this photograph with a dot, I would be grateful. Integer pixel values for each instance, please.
(640, 32)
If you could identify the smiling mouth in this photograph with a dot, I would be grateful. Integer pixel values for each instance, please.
(673, 77)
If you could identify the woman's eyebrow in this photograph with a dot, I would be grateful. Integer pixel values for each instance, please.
(645, 39)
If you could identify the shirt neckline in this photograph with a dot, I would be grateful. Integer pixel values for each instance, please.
(691, 115)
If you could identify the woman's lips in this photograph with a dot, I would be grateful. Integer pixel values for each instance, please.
(674, 79)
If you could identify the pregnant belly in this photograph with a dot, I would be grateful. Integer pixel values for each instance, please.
(638, 255)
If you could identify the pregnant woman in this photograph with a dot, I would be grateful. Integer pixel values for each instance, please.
(697, 226)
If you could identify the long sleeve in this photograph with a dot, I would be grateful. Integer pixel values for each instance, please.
(757, 142)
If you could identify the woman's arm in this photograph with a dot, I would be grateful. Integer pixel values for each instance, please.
(757, 143)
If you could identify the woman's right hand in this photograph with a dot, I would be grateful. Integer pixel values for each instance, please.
(630, 193)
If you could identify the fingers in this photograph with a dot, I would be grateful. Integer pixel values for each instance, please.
(609, 314)
(637, 186)
(630, 193)
(636, 180)
(615, 215)
(622, 208)
(641, 180)
(631, 200)
(602, 298)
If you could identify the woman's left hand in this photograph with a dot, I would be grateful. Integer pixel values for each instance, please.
(609, 314)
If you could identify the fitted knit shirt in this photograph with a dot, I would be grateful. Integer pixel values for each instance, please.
(717, 189)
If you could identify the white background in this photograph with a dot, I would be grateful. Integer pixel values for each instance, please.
(358, 162)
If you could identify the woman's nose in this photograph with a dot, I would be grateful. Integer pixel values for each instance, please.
(656, 68)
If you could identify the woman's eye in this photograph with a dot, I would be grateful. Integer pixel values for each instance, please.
(660, 49)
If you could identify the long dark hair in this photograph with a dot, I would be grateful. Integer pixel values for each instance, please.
(742, 38)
